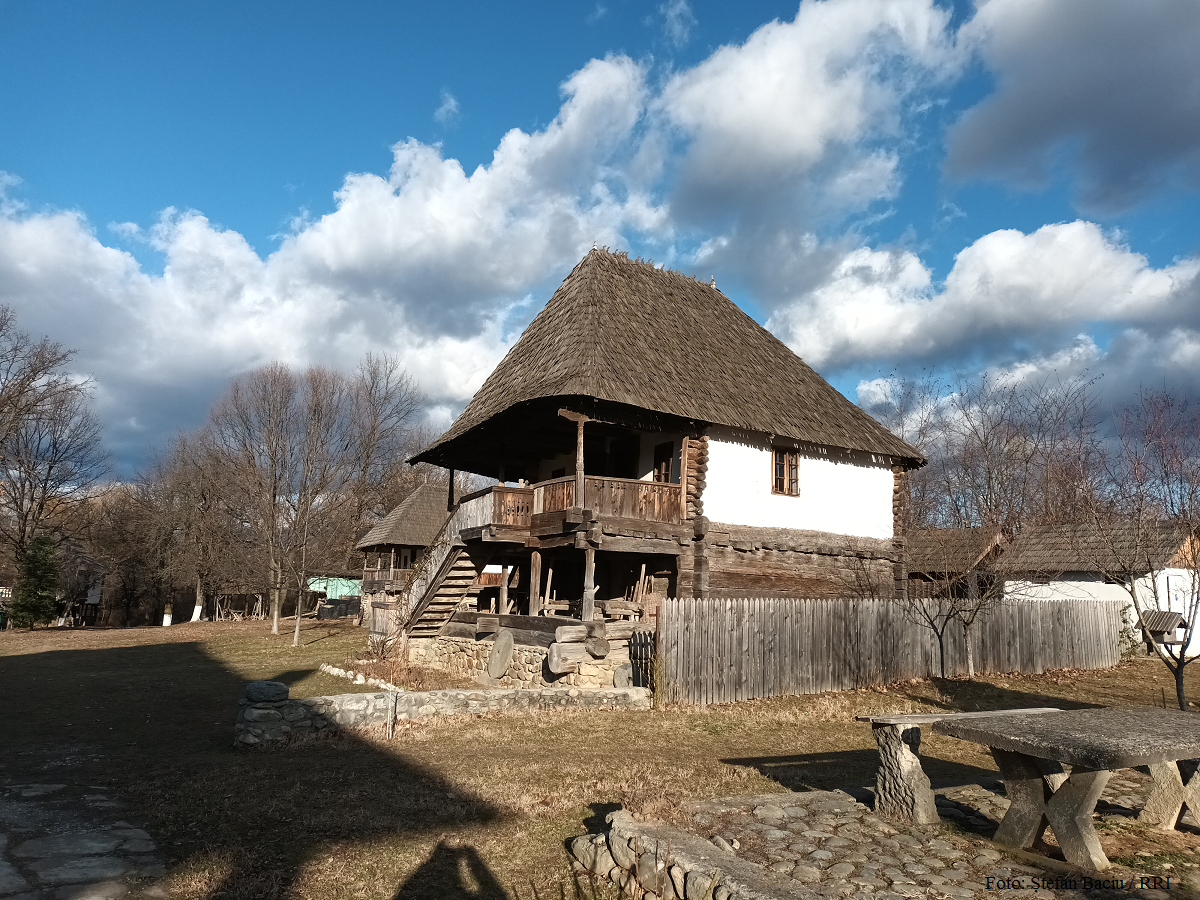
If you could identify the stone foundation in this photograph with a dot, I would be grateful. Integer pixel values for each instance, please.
(274, 722)
(527, 668)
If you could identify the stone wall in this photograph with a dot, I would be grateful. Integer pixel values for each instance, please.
(270, 717)
(527, 668)
(653, 861)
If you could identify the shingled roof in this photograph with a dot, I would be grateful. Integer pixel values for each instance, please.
(622, 330)
(416, 521)
(949, 551)
(1122, 548)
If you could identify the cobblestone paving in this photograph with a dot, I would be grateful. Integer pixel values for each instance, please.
(839, 848)
(69, 842)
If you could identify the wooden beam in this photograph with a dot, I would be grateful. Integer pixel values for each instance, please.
(504, 610)
(450, 494)
(639, 545)
(589, 584)
(535, 583)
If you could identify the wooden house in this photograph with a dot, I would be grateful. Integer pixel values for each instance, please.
(392, 546)
(651, 439)
(1062, 562)
(955, 562)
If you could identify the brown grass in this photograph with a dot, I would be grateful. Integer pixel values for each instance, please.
(444, 806)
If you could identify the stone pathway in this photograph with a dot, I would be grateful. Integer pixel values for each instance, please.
(839, 848)
(69, 842)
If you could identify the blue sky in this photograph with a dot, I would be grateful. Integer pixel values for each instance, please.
(195, 189)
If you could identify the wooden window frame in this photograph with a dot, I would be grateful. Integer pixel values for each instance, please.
(785, 472)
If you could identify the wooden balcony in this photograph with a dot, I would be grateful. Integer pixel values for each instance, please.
(392, 579)
(507, 514)
(623, 498)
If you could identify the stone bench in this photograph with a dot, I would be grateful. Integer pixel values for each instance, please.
(902, 789)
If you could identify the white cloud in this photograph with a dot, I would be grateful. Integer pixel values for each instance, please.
(678, 21)
(802, 100)
(1034, 289)
(447, 110)
(430, 262)
(1110, 92)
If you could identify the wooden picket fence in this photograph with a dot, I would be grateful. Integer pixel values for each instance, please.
(717, 651)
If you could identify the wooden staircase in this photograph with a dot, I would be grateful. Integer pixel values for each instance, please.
(457, 582)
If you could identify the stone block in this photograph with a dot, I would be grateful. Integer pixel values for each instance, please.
(255, 714)
(266, 691)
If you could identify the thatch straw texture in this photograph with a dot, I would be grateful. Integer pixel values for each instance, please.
(624, 331)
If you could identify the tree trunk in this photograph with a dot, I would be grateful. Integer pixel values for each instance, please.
(970, 653)
(941, 636)
(1179, 684)
(276, 598)
(198, 609)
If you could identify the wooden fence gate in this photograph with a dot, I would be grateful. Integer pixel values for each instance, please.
(717, 651)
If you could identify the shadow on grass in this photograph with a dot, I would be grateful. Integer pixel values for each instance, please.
(154, 723)
(452, 872)
(852, 770)
(961, 695)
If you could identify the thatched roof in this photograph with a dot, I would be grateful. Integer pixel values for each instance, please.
(624, 331)
(1121, 548)
(416, 521)
(950, 551)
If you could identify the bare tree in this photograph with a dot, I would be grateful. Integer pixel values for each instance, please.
(52, 460)
(31, 374)
(1143, 526)
(307, 457)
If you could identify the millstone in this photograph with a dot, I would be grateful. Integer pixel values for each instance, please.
(501, 655)
(266, 691)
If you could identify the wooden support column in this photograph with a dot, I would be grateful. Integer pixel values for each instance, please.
(589, 581)
(504, 609)
(580, 420)
(450, 494)
(579, 486)
(535, 583)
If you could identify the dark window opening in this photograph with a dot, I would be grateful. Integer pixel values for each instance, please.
(785, 473)
(664, 456)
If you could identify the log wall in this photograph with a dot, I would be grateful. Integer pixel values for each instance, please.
(719, 651)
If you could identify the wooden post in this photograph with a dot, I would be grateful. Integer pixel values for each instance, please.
(535, 583)
(450, 495)
(579, 495)
(589, 578)
(579, 419)
(504, 611)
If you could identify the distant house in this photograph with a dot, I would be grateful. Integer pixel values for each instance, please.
(651, 439)
(952, 561)
(1158, 559)
(394, 544)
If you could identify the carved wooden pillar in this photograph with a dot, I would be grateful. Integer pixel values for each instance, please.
(579, 496)
(504, 608)
(450, 495)
(589, 581)
(535, 583)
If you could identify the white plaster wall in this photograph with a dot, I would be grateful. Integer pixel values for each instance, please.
(838, 497)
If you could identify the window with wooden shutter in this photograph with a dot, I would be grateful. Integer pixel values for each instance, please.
(785, 472)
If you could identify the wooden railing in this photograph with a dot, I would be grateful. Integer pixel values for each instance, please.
(553, 495)
(627, 498)
(371, 577)
(512, 506)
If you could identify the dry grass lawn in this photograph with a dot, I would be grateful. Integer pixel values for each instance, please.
(453, 805)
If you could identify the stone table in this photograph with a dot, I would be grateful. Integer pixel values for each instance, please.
(1093, 742)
